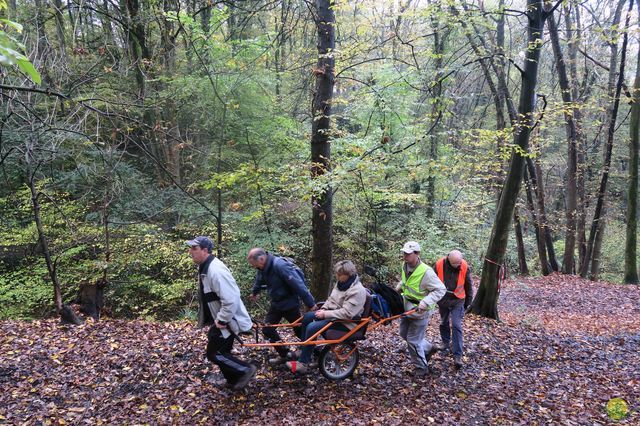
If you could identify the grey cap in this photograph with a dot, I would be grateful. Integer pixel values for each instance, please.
(202, 241)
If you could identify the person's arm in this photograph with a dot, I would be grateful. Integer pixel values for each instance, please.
(293, 280)
(351, 307)
(468, 289)
(398, 286)
(331, 303)
(257, 284)
(257, 287)
(435, 288)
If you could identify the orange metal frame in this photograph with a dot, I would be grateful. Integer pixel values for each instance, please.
(313, 340)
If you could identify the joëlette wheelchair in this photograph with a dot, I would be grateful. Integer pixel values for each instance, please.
(338, 349)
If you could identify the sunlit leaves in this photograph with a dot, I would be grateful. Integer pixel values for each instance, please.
(10, 49)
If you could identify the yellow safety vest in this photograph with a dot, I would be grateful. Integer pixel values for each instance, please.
(411, 287)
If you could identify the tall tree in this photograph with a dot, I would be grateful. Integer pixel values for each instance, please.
(594, 243)
(571, 125)
(631, 245)
(502, 98)
(486, 301)
(440, 35)
(573, 32)
(322, 202)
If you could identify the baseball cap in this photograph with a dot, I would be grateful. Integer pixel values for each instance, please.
(410, 247)
(202, 241)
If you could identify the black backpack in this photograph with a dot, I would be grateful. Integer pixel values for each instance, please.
(393, 298)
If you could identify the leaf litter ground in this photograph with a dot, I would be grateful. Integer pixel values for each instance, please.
(564, 347)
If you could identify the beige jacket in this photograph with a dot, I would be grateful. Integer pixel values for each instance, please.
(347, 304)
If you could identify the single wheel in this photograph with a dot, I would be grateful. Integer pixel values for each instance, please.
(339, 361)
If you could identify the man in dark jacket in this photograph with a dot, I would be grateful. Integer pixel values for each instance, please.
(285, 284)
(455, 273)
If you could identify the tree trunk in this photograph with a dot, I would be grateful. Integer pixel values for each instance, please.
(486, 301)
(107, 26)
(91, 298)
(439, 37)
(530, 181)
(51, 267)
(548, 238)
(597, 245)
(11, 15)
(322, 211)
(57, 7)
(136, 39)
(522, 257)
(168, 136)
(571, 191)
(42, 43)
(573, 36)
(597, 225)
(67, 315)
(631, 244)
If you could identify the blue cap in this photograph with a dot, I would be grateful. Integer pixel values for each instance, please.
(203, 242)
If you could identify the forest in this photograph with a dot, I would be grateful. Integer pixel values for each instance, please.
(320, 130)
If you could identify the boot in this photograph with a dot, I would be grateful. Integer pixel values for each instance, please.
(457, 362)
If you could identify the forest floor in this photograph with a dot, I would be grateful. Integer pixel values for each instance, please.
(563, 349)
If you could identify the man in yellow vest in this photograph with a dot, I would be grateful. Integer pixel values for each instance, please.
(454, 272)
(421, 289)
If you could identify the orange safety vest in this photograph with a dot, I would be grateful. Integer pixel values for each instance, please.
(459, 291)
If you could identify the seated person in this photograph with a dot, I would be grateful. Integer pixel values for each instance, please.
(346, 302)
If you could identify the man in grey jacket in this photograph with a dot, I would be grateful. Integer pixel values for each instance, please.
(221, 307)
(421, 290)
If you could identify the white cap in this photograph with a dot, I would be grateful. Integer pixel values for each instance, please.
(410, 247)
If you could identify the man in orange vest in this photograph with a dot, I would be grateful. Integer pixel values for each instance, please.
(455, 273)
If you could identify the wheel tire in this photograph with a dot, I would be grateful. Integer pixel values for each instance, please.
(332, 367)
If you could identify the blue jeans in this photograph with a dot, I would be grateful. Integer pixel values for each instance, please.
(310, 326)
(455, 313)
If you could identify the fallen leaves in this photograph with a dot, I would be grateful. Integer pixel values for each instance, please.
(565, 349)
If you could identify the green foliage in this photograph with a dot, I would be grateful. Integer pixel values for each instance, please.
(216, 126)
(10, 48)
(24, 293)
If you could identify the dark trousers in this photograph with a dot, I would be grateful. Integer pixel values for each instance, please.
(219, 353)
(274, 316)
(452, 313)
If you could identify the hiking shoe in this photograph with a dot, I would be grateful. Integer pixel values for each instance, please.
(277, 360)
(430, 352)
(457, 362)
(421, 372)
(443, 347)
(297, 367)
(245, 378)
